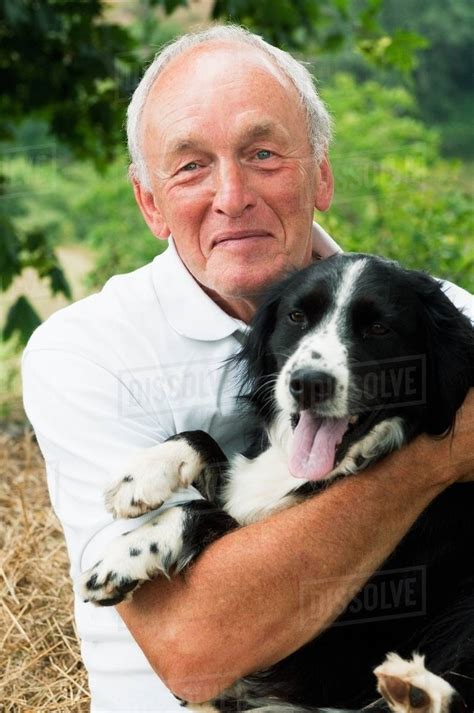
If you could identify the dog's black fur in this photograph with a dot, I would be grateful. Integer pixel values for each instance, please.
(418, 331)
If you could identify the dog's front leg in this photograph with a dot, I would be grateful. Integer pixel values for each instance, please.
(149, 479)
(163, 546)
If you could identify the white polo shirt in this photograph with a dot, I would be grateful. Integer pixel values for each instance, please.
(119, 371)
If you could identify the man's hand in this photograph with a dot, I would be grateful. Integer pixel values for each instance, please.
(449, 458)
(462, 444)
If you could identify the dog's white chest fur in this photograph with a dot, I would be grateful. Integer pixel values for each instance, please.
(262, 486)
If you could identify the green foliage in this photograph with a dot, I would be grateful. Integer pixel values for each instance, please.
(437, 70)
(397, 51)
(9, 378)
(22, 248)
(62, 61)
(99, 211)
(394, 195)
(63, 64)
(325, 26)
(442, 82)
(286, 23)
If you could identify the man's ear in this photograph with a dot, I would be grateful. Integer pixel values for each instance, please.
(149, 210)
(324, 185)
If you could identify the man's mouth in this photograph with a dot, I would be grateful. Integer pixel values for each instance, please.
(237, 235)
(316, 439)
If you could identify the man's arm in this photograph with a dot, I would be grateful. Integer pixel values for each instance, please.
(261, 592)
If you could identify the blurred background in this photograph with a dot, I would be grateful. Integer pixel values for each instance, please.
(397, 76)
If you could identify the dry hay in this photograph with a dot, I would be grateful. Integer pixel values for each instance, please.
(40, 665)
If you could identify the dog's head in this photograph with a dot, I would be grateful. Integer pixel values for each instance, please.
(358, 355)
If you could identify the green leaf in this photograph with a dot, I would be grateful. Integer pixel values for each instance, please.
(397, 50)
(9, 250)
(21, 319)
(58, 282)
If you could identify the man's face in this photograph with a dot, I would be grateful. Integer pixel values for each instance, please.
(232, 173)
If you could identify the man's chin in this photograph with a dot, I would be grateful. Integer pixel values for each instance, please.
(238, 273)
(244, 283)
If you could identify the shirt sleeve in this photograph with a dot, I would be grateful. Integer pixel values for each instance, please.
(76, 407)
(461, 298)
(86, 437)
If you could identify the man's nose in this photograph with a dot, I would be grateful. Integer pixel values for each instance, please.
(233, 194)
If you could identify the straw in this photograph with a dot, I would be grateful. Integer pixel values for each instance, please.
(40, 664)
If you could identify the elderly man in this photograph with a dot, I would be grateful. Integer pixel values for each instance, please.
(228, 141)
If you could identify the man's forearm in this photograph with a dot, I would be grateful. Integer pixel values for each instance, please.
(244, 605)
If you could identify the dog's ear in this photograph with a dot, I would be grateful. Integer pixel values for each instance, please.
(255, 363)
(256, 352)
(449, 354)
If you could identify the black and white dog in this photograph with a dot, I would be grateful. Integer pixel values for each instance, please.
(346, 361)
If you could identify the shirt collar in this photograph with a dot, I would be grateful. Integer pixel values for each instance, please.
(323, 244)
(186, 307)
(189, 310)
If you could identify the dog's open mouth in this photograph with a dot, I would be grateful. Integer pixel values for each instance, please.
(315, 443)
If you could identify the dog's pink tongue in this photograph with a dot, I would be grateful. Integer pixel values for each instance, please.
(314, 445)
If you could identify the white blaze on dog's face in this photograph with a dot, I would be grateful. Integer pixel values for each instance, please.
(324, 351)
(314, 383)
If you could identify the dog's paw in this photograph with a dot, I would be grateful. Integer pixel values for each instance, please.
(151, 476)
(408, 686)
(133, 558)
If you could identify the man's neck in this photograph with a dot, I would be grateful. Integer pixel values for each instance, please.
(240, 308)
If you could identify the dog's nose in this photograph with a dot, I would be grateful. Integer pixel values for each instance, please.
(311, 387)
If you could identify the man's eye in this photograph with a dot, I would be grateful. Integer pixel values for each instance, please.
(264, 154)
(191, 166)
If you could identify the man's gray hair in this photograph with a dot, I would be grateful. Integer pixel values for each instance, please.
(319, 123)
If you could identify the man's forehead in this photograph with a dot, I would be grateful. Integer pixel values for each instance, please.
(217, 58)
(212, 90)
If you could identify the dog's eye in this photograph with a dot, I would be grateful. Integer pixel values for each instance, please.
(297, 317)
(376, 329)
